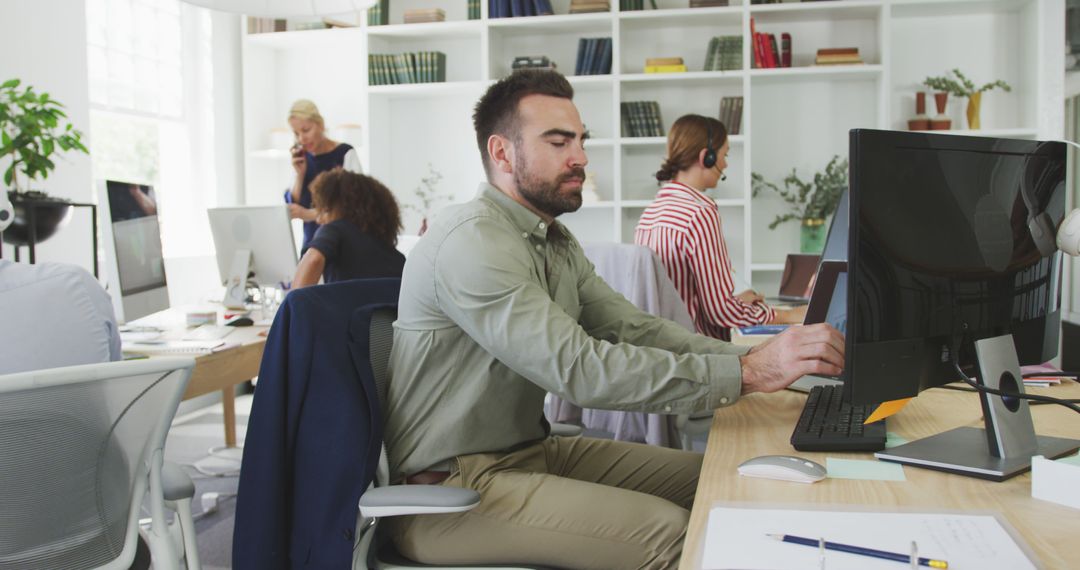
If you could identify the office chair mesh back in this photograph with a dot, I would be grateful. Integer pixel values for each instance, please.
(381, 342)
(70, 458)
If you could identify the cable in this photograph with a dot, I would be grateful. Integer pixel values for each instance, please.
(996, 392)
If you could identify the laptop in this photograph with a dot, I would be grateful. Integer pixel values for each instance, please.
(798, 277)
(828, 304)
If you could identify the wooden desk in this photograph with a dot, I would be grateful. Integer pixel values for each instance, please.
(224, 370)
(761, 424)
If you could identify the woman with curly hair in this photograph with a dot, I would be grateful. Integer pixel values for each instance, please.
(360, 221)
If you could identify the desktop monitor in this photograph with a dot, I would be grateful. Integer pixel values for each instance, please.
(951, 244)
(134, 260)
(265, 232)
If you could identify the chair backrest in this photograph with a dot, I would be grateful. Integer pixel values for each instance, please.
(76, 449)
(637, 273)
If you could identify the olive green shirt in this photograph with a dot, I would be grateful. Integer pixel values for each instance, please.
(496, 310)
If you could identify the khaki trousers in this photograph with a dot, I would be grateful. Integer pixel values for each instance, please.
(566, 502)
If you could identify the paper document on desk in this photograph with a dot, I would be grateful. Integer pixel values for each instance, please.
(738, 538)
(179, 347)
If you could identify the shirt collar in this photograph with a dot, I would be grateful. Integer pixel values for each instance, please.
(681, 189)
(525, 220)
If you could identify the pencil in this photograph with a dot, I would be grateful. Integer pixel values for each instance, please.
(860, 550)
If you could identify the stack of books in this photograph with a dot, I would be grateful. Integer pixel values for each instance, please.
(837, 56)
(593, 56)
(707, 3)
(519, 8)
(379, 13)
(641, 119)
(724, 54)
(419, 15)
(416, 67)
(635, 5)
(664, 65)
(586, 6)
(767, 54)
(474, 9)
(731, 114)
(532, 62)
(265, 25)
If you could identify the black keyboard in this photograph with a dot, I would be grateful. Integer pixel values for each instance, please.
(829, 424)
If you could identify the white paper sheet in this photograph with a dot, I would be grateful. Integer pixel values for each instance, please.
(735, 538)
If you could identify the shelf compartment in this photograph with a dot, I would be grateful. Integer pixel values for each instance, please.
(938, 8)
(465, 29)
(816, 11)
(686, 36)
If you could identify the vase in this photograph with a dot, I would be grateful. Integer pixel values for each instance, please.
(974, 103)
(940, 122)
(920, 122)
(812, 236)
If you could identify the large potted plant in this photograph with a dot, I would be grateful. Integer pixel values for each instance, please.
(32, 130)
(960, 86)
(809, 202)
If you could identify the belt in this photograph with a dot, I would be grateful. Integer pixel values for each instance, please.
(437, 474)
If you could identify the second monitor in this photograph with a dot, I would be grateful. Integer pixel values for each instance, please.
(265, 233)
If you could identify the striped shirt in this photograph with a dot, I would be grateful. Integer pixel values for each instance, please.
(683, 227)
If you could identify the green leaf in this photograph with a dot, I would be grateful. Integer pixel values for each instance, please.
(10, 84)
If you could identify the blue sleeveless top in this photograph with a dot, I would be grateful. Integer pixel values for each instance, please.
(316, 165)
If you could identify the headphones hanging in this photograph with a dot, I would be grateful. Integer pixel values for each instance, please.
(709, 160)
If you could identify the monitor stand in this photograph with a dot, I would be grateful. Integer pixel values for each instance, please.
(1005, 447)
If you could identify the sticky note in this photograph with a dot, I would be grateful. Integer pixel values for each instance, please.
(860, 469)
(893, 440)
(887, 409)
(1070, 459)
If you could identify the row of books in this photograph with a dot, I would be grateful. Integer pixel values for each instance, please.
(518, 8)
(724, 54)
(266, 25)
(420, 15)
(731, 114)
(641, 119)
(532, 62)
(635, 5)
(766, 52)
(708, 3)
(379, 13)
(589, 6)
(593, 56)
(474, 9)
(416, 67)
(837, 56)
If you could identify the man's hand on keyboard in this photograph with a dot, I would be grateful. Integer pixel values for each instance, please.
(790, 355)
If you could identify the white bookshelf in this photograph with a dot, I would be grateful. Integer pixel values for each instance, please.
(792, 117)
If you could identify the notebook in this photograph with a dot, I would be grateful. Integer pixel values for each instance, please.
(179, 347)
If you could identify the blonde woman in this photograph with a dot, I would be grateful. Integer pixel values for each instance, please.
(312, 154)
(683, 227)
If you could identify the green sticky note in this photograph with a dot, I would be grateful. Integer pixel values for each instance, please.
(1071, 460)
(893, 440)
(859, 469)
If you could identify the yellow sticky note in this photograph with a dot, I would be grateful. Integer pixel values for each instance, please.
(887, 409)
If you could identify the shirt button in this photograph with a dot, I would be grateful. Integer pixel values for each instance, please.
(542, 225)
(667, 408)
(724, 400)
(539, 247)
(525, 235)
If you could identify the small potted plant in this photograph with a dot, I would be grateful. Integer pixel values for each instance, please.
(809, 202)
(959, 85)
(32, 130)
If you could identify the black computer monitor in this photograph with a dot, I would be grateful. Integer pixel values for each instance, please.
(951, 241)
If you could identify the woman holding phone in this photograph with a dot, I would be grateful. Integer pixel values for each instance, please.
(312, 154)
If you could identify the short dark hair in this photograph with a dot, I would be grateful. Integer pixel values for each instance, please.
(360, 199)
(496, 112)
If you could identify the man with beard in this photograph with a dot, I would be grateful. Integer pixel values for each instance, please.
(498, 307)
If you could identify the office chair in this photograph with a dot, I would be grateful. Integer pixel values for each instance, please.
(371, 332)
(80, 449)
(636, 273)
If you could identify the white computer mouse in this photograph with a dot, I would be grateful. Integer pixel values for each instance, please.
(784, 468)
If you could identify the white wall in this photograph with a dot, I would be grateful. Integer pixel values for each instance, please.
(44, 45)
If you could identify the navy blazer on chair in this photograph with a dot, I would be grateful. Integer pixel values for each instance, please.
(314, 434)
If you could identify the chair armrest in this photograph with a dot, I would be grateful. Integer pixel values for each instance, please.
(566, 430)
(396, 500)
(175, 482)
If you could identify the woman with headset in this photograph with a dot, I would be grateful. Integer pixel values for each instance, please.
(683, 227)
(312, 154)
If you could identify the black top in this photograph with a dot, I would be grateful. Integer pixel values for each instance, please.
(353, 254)
(316, 165)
